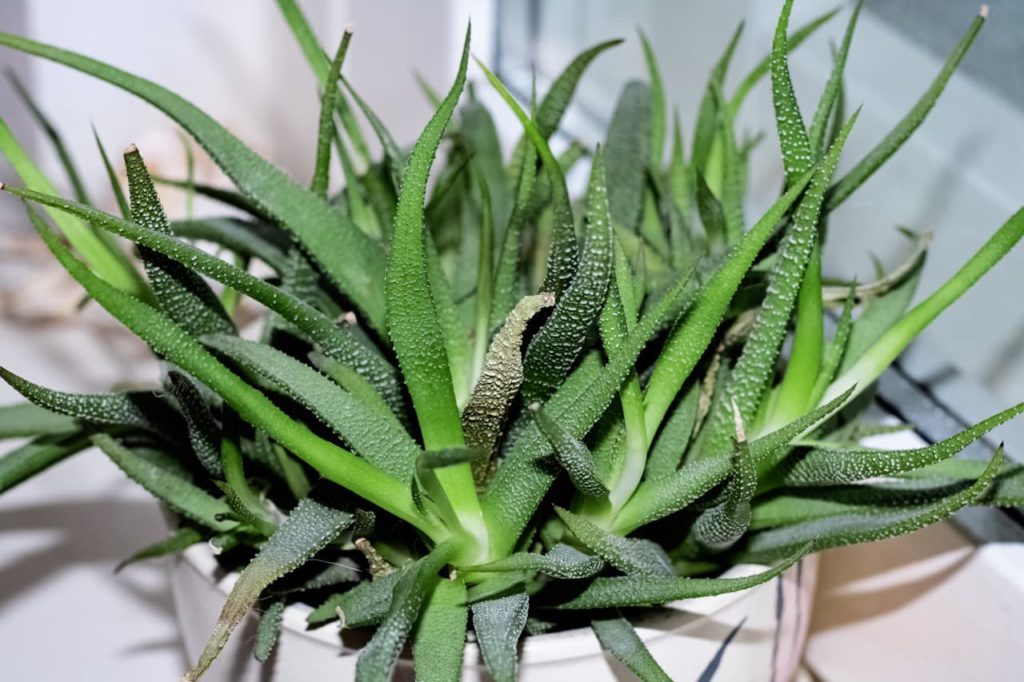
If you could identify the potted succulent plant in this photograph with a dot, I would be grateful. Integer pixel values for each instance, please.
(482, 415)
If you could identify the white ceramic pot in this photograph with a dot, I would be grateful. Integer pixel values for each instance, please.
(751, 636)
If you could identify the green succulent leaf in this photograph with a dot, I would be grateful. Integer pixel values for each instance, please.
(365, 604)
(412, 590)
(619, 638)
(520, 484)
(179, 494)
(724, 524)
(38, 455)
(628, 144)
(636, 591)
(635, 557)
(762, 68)
(866, 526)
(328, 103)
(183, 295)
(23, 420)
(334, 341)
(688, 341)
(177, 542)
(115, 182)
(498, 624)
(203, 432)
(440, 638)
(268, 630)
(831, 467)
(557, 345)
(572, 455)
(562, 259)
(137, 409)
(561, 561)
(307, 530)
(834, 86)
(378, 439)
(179, 347)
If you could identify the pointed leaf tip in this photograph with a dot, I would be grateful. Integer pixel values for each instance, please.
(983, 12)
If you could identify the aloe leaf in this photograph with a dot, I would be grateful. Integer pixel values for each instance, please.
(572, 455)
(846, 529)
(506, 274)
(38, 455)
(203, 432)
(555, 348)
(867, 368)
(54, 136)
(351, 381)
(756, 364)
(177, 493)
(679, 189)
(328, 103)
(456, 335)
(362, 213)
(628, 144)
(830, 467)
(687, 342)
(177, 542)
(619, 638)
(28, 419)
(834, 86)
(379, 440)
(520, 484)
(347, 255)
(711, 211)
(635, 557)
(239, 494)
(835, 352)
(733, 172)
(561, 263)
(365, 604)
(707, 114)
(878, 316)
(657, 107)
(761, 69)
(498, 624)
(101, 252)
(636, 591)
(115, 182)
(268, 630)
(797, 156)
(561, 561)
(670, 444)
(334, 341)
(182, 294)
(139, 409)
(225, 196)
(170, 341)
(660, 497)
(902, 131)
(244, 238)
(414, 324)
(307, 530)
(501, 377)
(440, 638)
(721, 526)
(1006, 491)
(412, 589)
(795, 392)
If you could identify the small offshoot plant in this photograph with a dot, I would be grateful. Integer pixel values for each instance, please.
(481, 403)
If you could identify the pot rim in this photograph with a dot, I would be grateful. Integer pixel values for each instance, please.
(562, 645)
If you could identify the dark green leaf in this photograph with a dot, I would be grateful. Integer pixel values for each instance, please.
(498, 624)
